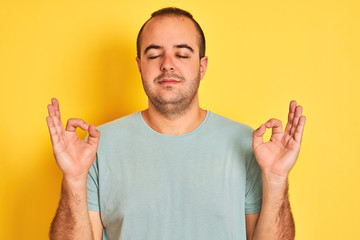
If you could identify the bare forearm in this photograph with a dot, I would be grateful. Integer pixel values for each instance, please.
(276, 220)
(72, 217)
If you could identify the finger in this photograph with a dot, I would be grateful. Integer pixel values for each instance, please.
(74, 123)
(258, 136)
(94, 135)
(292, 108)
(57, 121)
(55, 103)
(297, 115)
(300, 129)
(52, 130)
(51, 110)
(51, 125)
(275, 124)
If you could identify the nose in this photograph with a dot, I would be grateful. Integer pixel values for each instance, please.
(167, 64)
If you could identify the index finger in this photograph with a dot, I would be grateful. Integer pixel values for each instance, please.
(55, 103)
(275, 124)
(54, 113)
(300, 129)
(291, 115)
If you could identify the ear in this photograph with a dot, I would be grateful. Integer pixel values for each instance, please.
(203, 66)
(138, 61)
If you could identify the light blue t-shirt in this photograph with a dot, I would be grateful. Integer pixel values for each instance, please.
(152, 186)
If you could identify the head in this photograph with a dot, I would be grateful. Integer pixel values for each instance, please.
(169, 61)
(175, 12)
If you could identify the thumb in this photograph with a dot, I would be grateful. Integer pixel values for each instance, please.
(94, 135)
(258, 136)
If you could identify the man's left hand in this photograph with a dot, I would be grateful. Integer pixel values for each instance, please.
(277, 156)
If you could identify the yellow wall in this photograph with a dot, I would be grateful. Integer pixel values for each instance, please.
(261, 54)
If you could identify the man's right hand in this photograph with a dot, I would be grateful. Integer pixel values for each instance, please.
(73, 155)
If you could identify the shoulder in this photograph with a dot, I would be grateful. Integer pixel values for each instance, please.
(233, 134)
(229, 126)
(119, 128)
(127, 120)
(228, 130)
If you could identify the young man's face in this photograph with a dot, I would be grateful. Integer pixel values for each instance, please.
(169, 65)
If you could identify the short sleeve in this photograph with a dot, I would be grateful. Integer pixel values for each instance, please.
(253, 196)
(93, 186)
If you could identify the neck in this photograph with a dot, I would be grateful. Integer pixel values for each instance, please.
(175, 124)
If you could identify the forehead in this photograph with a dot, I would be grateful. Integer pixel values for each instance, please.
(170, 30)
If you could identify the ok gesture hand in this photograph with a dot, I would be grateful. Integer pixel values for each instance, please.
(279, 154)
(73, 155)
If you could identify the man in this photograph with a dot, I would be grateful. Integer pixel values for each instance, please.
(174, 170)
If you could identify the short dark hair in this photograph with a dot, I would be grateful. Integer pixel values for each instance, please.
(173, 11)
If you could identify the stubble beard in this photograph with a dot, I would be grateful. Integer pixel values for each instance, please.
(181, 100)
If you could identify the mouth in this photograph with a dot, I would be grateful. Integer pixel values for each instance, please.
(168, 81)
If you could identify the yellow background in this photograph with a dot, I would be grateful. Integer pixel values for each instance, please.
(261, 55)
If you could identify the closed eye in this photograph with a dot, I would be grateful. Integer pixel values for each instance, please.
(181, 56)
(153, 57)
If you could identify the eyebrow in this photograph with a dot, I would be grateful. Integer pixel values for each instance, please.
(153, 46)
(184, 46)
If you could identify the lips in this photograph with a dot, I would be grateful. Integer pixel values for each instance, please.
(168, 78)
(168, 81)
